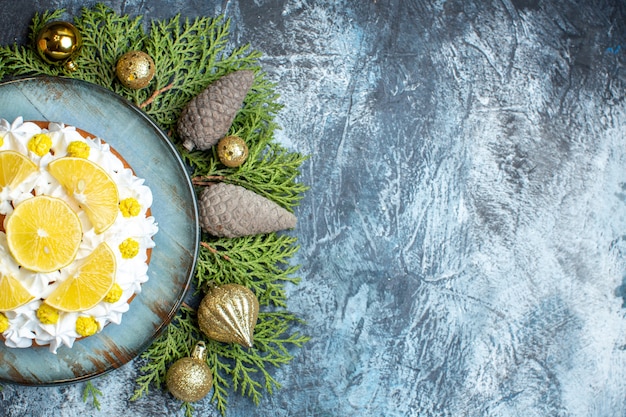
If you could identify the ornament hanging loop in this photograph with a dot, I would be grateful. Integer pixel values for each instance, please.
(208, 286)
(199, 351)
(70, 66)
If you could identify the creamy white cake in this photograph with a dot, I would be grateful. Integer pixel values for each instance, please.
(21, 327)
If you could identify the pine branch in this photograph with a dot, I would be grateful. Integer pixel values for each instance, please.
(156, 94)
(187, 52)
(250, 371)
(221, 385)
(258, 262)
(107, 36)
(39, 21)
(271, 174)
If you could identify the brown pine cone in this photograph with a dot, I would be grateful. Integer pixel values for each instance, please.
(228, 210)
(209, 115)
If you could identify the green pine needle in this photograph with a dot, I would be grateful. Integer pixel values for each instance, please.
(189, 55)
(91, 391)
(188, 409)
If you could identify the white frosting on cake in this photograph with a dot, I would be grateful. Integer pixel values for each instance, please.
(24, 326)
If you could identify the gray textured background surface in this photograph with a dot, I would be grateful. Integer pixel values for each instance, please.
(464, 240)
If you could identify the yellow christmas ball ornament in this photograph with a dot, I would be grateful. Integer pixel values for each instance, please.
(190, 379)
(59, 43)
(232, 151)
(135, 69)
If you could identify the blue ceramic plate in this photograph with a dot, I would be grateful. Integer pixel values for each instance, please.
(152, 156)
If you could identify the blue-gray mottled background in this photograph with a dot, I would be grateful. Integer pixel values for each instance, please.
(464, 239)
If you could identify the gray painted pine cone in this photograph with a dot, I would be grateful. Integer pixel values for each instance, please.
(228, 210)
(209, 115)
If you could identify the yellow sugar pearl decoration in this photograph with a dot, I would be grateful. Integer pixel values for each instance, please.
(130, 207)
(4, 323)
(78, 149)
(129, 248)
(86, 326)
(114, 294)
(1, 140)
(47, 314)
(40, 144)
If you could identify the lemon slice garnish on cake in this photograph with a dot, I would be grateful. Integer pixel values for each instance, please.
(12, 293)
(91, 187)
(14, 168)
(90, 283)
(43, 233)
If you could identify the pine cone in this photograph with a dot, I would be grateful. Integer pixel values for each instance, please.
(209, 115)
(228, 210)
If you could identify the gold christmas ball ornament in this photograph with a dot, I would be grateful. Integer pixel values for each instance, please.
(135, 69)
(190, 379)
(228, 313)
(232, 151)
(59, 43)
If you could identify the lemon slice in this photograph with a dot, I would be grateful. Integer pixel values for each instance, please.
(14, 168)
(91, 187)
(43, 234)
(90, 283)
(12, 293)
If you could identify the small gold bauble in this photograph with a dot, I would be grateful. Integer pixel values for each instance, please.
(190, 379)
(232, 151)
(229, 314)
(59, 43)
(135, 69)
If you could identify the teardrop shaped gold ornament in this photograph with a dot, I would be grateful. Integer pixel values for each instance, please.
(229, 313)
